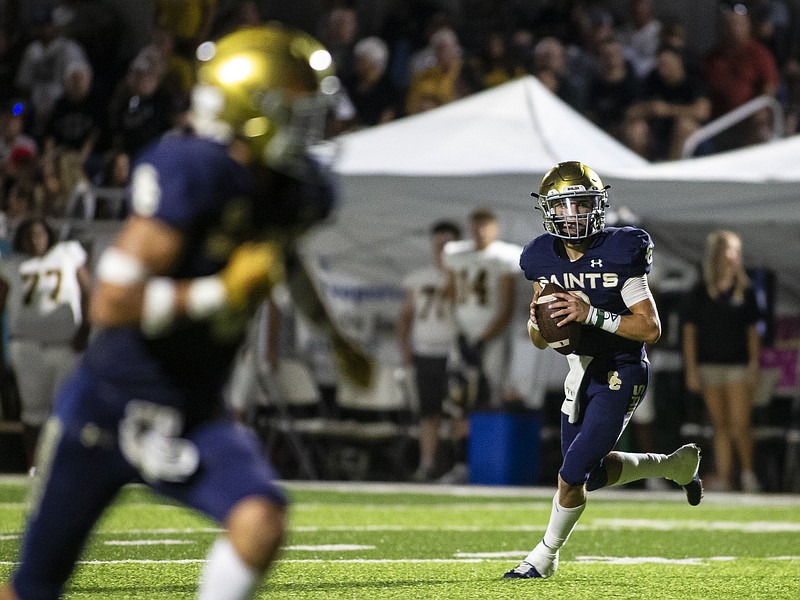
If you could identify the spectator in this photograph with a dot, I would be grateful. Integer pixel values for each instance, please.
(371, 89)
(612, 90)
(449, 79)
(425, 57)
(550, 65)
(555, 18)
(18, 206)
(673, 35)
(772, 26)
(641, 37)
(190, 22)
(673, 104)
(39, 177)
(483, 274)
(496, 63)
(178, 76)
(426, 332)
(721, 350)
(339, 33)
(97, 28)
(45, 288)
(522, 43)
(791, 74)
(248, 14)
(13, 134)
(74, 129)
(402, 30)
(737, 70)
(11, 49)
(77, 120)
(141, 110)
(43, 68)
(107, 198)
(116, 172)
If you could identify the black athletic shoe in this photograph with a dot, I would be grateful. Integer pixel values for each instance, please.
(694, 490)
(522, 571)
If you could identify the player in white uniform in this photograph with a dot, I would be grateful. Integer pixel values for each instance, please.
(426, 331)
(44, 288)
(483, 273)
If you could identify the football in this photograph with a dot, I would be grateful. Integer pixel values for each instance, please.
(561, 339)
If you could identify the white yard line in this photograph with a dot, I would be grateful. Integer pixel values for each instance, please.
(495, 558)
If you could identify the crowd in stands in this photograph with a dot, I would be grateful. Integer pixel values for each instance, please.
(72, 116)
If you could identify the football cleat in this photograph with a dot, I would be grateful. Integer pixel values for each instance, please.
(694, 490)
(523, 570)
(688, 461)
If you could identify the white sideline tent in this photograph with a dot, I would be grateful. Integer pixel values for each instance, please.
(492, 149)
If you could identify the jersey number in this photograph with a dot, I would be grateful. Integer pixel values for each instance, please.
(467, 289)
(432, 302)
(32, 280)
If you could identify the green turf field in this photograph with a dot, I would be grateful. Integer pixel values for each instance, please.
(378, 541)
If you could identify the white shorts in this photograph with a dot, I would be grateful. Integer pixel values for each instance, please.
(41, 370)
(723, 374)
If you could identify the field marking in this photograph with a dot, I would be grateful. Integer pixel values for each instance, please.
(694, 524)
(642, 560)
(594, 525)
(598, 524)
(472, 506)
(503, 554)
(330, 547)
(149, 542)
(159, 530)
(494, 558)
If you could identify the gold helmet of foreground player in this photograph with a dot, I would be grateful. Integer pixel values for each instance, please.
(269, 86)
(573, 201)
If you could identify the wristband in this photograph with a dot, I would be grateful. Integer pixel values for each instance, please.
(120, 268)
(158, 306)
(532, 325)
(603, 319)
(205, 297)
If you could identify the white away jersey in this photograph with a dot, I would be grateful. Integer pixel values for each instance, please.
(477, 276)
(433, 327)
(45, 299)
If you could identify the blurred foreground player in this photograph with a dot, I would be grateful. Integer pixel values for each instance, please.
(215, 215)
(604, 270)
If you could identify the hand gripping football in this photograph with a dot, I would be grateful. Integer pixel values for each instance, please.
(561, 339)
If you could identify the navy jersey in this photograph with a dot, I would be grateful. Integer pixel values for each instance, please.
(614, 255)
(193, 185)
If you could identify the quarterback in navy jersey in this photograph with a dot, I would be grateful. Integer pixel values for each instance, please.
(604, 272)
(214, 217)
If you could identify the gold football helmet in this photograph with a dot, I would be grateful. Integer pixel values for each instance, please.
(269, 86)
(573, 201)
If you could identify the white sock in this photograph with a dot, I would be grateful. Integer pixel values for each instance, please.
(562, 521)
(225, 576)
(641, 466)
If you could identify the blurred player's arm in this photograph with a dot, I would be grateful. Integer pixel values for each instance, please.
(351, 360)
(507, 295)
(403, 327)
(133, 286)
